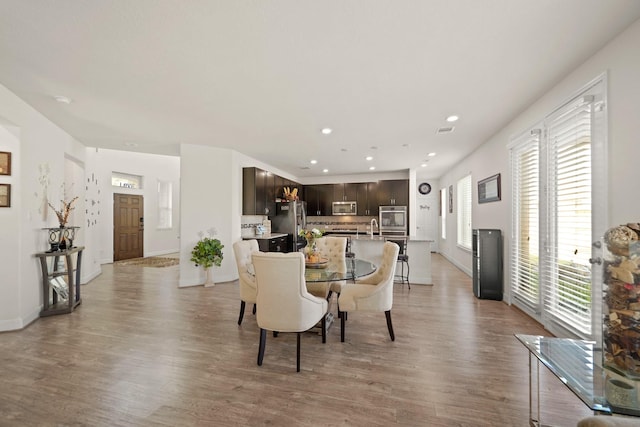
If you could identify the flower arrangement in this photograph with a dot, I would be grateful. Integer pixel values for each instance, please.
(311, 235)
(63, 213)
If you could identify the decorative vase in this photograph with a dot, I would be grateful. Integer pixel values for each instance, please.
(311, 251)
(209, 281)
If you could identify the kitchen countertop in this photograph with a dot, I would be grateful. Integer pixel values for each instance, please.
(377, 238)
(264, 236)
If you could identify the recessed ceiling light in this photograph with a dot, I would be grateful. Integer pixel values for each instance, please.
(452, 118)
(372, 168)
(62, 99)
(326, 131)
(325, 170)
(431, 154)
(369, 158)
(313, 162)
(424, 165)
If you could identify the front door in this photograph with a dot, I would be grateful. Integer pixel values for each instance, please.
(128, 226)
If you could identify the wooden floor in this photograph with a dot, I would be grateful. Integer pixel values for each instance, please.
(141, 352)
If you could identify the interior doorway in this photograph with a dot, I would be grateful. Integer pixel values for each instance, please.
(128, 226)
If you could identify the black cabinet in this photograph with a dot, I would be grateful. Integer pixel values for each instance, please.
(366, 196)
(345, 192)
(394, 192)
(319, 198)
(254, 192)
(260, 189)
(487, 264)
(273, 244)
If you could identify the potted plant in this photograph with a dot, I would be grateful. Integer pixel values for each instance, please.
(207, 253)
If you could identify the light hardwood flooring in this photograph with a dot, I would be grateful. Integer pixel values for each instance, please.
(141, 352)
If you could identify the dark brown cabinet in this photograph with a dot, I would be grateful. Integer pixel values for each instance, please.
(345, 192)
(394, 192)
(366, 196)
(260, 189)
(273, 244)
(319, 198)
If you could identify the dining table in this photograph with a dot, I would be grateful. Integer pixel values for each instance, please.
(356, 268)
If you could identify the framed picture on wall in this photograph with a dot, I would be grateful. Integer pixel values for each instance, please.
(489, 189)
(5, 195)
(5, 163)
(451, 199)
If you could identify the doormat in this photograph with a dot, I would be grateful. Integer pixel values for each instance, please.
(153, 261)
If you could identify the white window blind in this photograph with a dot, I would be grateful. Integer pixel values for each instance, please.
(525, 256)
(464, 212)
(567, 271)
(443, 212)
(165, 196)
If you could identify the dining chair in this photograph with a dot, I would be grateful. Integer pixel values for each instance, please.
(284, 303)
(373, 292)
(403, 258)
(247, 283)
(332, 249)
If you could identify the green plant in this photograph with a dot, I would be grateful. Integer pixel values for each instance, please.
(207, 252)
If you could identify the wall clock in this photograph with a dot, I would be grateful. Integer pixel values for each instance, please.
(424, 188)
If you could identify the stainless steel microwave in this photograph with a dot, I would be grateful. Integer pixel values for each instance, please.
(344, 208)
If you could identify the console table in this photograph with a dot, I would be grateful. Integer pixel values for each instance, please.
(60, 287)
(573, 363)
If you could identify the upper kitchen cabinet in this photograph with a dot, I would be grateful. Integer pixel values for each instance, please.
(319, 198)
(254, 192)
(393, 192)
(366, 196)
(345, 192)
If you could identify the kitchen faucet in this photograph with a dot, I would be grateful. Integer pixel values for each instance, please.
(373, 222)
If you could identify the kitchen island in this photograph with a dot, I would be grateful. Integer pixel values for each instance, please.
(369, 247)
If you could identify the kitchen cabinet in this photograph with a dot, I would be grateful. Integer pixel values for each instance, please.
(366, 196)
(319, 198)
(394, 192)
(345, 192)
(273, 244)
(260, 189)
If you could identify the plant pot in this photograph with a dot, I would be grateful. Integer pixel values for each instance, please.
(209, 274)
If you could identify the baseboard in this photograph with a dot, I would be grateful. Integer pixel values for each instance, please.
(159, 253)
(461, 267)
(18, 323)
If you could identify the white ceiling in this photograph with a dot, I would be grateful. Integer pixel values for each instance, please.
(263, 77)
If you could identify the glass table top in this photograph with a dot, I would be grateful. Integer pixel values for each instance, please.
(355, 268)
(574, 363)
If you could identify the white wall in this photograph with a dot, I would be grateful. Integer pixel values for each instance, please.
(622, 63)
(152, 167)
(36, 142)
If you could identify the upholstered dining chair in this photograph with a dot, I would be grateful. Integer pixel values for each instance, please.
(284, 304)
(373, 292)
(242, 251)
(333, 249)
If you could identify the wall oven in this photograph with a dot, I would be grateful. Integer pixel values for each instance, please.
(393, 220)
(344, 208)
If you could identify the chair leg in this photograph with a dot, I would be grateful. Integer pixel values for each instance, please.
(343, 319)
(298, 355)
(389, 325)
(263, 340)
(241, 312)
(324, 328)
(275, 334)
(408, 284)
(254, 309)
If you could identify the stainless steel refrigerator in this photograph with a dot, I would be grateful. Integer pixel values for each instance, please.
(290, 218)
(487, 264)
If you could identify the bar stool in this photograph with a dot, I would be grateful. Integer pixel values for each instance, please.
(403, 258)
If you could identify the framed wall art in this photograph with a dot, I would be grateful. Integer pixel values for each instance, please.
(451, 199)
(5, 163)
(5, 195)
(489, 189)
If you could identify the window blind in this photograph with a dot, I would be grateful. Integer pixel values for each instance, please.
(567, 271)
(464, 212)
(525, 256)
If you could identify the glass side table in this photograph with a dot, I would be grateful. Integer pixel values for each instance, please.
(573, 363)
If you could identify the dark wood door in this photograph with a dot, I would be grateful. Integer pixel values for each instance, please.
(128, 226)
